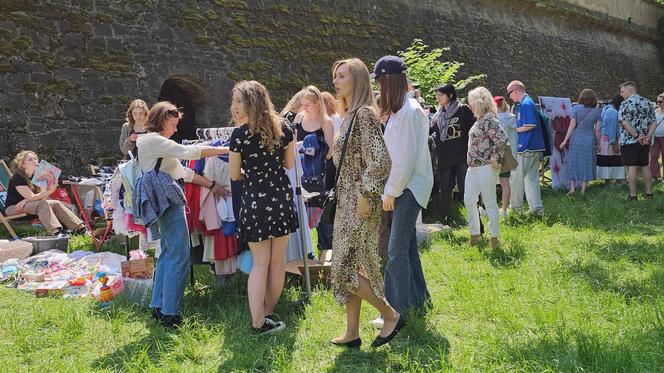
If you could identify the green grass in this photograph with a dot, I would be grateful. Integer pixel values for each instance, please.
(581, 289)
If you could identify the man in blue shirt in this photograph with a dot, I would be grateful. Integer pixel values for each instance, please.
(530, 151)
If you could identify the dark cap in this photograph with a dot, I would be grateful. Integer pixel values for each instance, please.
(389, 65)
(447, 89)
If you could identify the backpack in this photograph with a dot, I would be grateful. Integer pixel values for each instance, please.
(312, 156)
(547, 132)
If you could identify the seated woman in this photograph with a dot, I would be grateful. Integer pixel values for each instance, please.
(23, 197)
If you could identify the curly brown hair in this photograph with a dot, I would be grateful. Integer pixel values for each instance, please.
(262, 118)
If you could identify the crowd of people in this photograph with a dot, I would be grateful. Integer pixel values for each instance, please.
(384, 159)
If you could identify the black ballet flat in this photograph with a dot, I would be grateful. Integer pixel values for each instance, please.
(355, 343)
(379, 341)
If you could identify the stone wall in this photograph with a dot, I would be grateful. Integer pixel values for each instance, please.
(68, 68)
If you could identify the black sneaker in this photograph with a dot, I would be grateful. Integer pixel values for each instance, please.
(270, 327)
(171, 321)
(274, 317)
(156, 313)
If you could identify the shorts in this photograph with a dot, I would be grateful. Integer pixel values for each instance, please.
(505, 174)
(635, 155)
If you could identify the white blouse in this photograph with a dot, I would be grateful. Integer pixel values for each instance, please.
(152, 146)
(407, 140)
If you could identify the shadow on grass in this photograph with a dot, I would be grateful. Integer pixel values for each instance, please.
(602, 277)
(583, 350)
(607, 209)
(211, 313)
(422, 346)
(510, 253)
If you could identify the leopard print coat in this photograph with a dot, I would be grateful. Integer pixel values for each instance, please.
(364, 171)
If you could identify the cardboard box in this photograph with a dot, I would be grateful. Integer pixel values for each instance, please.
(138, 268)
(18, 249)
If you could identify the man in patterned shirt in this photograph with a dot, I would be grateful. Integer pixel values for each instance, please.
(637, 117)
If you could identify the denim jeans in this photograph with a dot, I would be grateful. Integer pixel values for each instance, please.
(173, 264)
(405, 286)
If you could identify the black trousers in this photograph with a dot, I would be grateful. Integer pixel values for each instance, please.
(446, 179)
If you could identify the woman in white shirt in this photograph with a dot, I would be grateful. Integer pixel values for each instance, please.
(508, 123)
(173, 264)
(408, 187)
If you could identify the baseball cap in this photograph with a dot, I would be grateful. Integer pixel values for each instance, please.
(388, 65)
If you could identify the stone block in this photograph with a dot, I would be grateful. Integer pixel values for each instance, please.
(69, 73)
(72, 109)
(101, 29)
(98, 43)
(41, 78)
(114, 44)
(116, 87)
(72, 41)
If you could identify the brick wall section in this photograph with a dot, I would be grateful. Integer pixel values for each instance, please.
(69, 68)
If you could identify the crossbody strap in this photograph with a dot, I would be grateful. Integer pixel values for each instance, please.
(343, 149)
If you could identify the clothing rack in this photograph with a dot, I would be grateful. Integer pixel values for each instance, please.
(205, 134)
(224, 134)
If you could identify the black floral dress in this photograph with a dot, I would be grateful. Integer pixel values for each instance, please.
(267, 208)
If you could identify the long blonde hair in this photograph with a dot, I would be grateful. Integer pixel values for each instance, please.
(294, 105)
(362, 92)
(312, 93)
(16, 165)
(262, 118)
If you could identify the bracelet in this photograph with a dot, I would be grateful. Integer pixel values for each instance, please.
(214, 182)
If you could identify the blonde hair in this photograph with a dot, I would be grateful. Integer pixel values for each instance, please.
(481, 101)
(262, 118)
(294, 105)
(16, 165)
(312, 93)
(504, 106)
(134, 104)
(362, 92)
(330, 103)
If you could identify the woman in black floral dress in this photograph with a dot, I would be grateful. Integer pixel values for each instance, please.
(260, 149)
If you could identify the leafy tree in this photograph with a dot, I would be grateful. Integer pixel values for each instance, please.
(426, 67)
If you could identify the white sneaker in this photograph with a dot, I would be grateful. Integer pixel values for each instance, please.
(377, 323)
(503, 213)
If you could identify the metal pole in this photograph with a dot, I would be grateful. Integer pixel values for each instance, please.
(300, 216)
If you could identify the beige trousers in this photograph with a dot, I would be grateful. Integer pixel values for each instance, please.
(51, 214)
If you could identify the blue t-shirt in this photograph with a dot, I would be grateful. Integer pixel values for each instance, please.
(529, 141)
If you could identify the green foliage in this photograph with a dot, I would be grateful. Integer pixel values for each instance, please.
(427, 68)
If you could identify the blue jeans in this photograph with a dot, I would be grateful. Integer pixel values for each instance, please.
(325, 236)
(173, 264)
(405, 286)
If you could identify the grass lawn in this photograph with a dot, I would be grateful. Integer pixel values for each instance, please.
(580, 289)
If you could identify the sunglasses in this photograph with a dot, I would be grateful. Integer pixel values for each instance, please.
(509, 93)
(175, 113)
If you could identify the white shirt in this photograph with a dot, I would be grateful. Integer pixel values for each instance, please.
(407, 140)
(152, 146)
(659, 119)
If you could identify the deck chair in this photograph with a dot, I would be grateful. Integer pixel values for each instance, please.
(5, 175)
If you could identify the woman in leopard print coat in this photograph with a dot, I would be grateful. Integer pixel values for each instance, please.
(356, 274)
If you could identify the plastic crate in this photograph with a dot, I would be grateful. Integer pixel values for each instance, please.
(41, 244)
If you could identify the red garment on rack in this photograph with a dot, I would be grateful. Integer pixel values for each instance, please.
(224, 246)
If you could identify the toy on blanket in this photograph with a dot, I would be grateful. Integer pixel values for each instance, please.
(105, 293)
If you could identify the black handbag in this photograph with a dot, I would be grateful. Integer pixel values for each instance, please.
(330, 204)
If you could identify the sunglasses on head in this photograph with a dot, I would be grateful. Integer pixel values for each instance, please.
(175, 113)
